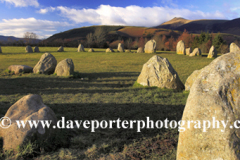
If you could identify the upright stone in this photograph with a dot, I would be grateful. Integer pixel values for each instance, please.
(28, 49)
(28, 108)
(212, 52)
(150, 46)
(159, 72)
(36, 49)
(234, 48)
(65, 67)
(46, 64)
(0, 49)
(60, 49)
(80, 48)
(120, 47)
(188, 51)
(196, 52)
(181, 48)
(140, 50)
(214, 98)
(191, 79)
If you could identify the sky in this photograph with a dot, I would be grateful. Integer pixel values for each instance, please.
(48, 17)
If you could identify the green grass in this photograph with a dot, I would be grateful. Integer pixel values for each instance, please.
(104, 91)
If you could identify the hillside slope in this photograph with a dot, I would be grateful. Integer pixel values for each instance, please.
(113, 33)
(193, 26)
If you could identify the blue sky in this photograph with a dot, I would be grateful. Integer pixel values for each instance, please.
(47, 17)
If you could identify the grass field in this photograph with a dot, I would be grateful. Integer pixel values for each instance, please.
(103, 91)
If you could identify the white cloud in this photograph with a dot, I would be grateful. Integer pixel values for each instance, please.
(17, 27)
(133, 15)
(22, 3)
(46, 10)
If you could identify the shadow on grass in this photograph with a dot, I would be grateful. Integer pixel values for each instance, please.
(84, 83)
(119, 138)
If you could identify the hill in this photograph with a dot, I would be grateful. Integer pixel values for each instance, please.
(174, 23)
(113, 33)
(193, 26)
(7, 38)
(206, 25)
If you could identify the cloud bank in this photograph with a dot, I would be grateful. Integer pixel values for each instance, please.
(133, 15)
(22, 3)
(17, 27)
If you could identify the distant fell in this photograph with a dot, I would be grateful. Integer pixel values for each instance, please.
(203, 25)
(174, 23)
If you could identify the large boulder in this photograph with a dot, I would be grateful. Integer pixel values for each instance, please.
(28, 49)
(214, 97)
(65, 67)
(28, 108)
(91, 50)
(20, 69)
(128, 51)
(234, 48)
(46, 64)
(212, 52)
(36, 49)
(150, 46)
(180, 49)
(140, 50)
(120, 47)
(0, 49)
(159, 72)
(196, 52)
(109, 50)
(60, 49)
(188, 51)
(80, 48)
(191, 79)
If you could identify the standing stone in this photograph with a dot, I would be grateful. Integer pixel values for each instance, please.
(234, 48)
(20, 69)
(46, 64)
(196, 52)
(28, 108)
(109, 50)
(214, 96)
(81, 48)
(65, 67)
(60, 49)
(212, 52)
(36, 49)
(0, 50)
(181, 48)
(150, 46)
(188, 51)
(140, 50)
(159, 72)
(28, 49)
(90, 50)
(191, 79)
(120, 47)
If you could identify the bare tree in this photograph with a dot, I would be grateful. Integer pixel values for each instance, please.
(99, 36)
(90, 39)
(30, 37)
(129, 43)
